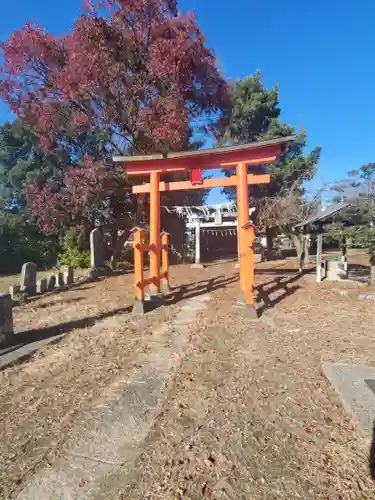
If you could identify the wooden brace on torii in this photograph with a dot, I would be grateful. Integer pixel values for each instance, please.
(237, 157)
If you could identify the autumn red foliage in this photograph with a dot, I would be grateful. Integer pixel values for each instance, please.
(84, 197)
(136, 69)
(136, 72)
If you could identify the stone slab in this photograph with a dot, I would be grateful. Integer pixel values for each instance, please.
(365, 296)
(349, 381)
(250, 312)
(16, 351)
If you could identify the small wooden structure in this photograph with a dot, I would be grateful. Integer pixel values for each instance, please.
(192, 162)
(315, 225)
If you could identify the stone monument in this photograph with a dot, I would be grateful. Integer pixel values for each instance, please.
(59, 277)
(68, 276)
(97, 248)
(51, 282)
(28, 278)
(97, 254)
(41, 286)
(335, 271)
(6, 319)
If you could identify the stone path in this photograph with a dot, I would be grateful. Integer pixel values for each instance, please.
(108, 442)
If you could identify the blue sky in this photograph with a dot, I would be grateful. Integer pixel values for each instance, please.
(321, 53)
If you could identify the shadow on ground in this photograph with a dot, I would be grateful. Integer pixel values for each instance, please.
(358, 272)
(181, 293)
(274, 291)
(278, 271)
(202, 287)
(56, 293)
(268, 295)
(219, 261)
(59, 302)
(34, 335)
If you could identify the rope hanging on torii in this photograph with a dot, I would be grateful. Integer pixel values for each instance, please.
(217, 213)
(220, 232)
(204, 211)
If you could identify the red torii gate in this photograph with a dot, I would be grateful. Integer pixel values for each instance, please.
(238, 157)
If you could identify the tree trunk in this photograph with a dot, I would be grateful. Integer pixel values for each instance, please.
(307, 249)
(270, 234)
(299, 242)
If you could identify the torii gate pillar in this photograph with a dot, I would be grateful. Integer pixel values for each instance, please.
(245, 241)
(155, 231)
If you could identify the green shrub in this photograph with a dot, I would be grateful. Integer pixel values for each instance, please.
(22, 241)
(71, 253)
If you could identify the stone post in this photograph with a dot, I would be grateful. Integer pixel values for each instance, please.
(97, 248)
(13, 290)
(51, 282)
(197, 241)
(28, 278)
(197, 253)
(6, 319)
(59, 280)
(344, 255)
(41, 286)
(68, 276)
(319, 248)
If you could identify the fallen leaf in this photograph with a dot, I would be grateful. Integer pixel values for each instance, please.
(206, 491)
(210, 462)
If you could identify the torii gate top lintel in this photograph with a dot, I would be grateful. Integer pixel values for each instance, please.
(254, 153)
(257, 153)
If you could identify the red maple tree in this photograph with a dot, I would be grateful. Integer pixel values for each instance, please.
(136, 72)
(135, 69)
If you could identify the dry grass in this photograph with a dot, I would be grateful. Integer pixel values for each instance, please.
(40, 400)
(250, 415)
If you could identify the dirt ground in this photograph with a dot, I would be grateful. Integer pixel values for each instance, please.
(248, 414)
(43, 397)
